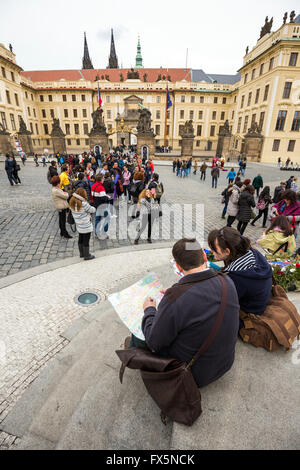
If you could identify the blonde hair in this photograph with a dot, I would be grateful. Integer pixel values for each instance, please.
(143, 195)
(76, 204)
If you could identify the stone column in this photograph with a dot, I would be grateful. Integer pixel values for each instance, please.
(26, 142)
(253, 142)
(58, 138)
(5, 143)
(147, 139)
(187, 139)
(224, 141)
(98, 134)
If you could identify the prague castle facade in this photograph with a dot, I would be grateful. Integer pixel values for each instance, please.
(265, 90)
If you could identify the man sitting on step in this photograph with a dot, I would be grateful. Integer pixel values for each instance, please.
(187, 313)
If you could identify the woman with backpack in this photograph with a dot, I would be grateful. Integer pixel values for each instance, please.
(136, 187)
(264, 201)
(60, 200)
(233, 202)
(157, 189)
(148, 207)
(126, 185)
(246, 202)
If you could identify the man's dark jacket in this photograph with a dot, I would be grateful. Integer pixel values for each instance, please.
(184, 319)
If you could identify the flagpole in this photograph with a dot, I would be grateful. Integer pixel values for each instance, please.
(166, 114)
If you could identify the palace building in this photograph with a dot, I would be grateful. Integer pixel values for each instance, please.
(255, 112)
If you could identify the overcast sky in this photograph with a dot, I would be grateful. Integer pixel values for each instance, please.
(48, 35)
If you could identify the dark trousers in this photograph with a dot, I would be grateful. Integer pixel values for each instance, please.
(215, 182)
(146, 220)
(203, 176)
(225, 209)
(260, 214)
(62, 222)
(84, 239)
(126, 191)
(230, 220)
(242, 227)
(16, 177)
(257, 191)
(11, 177)
(138, 343)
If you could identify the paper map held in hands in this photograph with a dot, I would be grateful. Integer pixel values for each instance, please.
(129, 302)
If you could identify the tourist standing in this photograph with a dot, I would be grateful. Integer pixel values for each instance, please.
(81, 211)
(16, 170)
(231, 176)
(195, 167)
(23, 157)
(126, 183)
(246, 202)
(52, 171)
(233, 203)
(36, 160)
(148, 209)
(174, 165)
(203, 171)
(101, 203)
(157, 190)
(178, 167)
(225, 200)
(9, 168)
(258, 184)
(215, 173)
(60, 199)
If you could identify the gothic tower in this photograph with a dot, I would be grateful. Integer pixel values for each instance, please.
(139, 58)
(113, 59)
(86, 61)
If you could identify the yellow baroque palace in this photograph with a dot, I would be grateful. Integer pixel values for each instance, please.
(265, 91)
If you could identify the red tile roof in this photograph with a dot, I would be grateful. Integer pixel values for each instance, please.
(114, 74)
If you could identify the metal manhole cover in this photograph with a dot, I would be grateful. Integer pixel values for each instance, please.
(85, 299)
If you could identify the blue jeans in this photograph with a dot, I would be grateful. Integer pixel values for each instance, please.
(186, 172)
(137, 343)
(177, 171)
(105, 216)
(225, 209)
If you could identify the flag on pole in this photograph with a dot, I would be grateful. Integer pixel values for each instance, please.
(169, 102)
(99, 97)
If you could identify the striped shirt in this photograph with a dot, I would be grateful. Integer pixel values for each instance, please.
(242, 264)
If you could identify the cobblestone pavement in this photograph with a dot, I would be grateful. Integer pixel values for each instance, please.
(29, 233)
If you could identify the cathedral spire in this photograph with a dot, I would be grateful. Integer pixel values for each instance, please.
(139, 58)
(86, 61)
(113, 59)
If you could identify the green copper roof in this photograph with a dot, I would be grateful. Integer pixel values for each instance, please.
(139, 58)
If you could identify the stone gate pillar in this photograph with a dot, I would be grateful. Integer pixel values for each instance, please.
(145, 133)
(5, 142)
(224, 141)
(253, 142)
(58, 138)
(24, 136)
(98, 134)
(187, 139)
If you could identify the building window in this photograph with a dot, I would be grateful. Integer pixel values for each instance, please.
(182, 114)
(82, 97)
(182, 99)
(75, 114)
(293, 59)
(157, 114)
(31, 97)
(78, 142)
(253, 119)
(50, 97)
(3, 119)
(197, 143)
(13, 123)
(199, 131)
(191, 114)
(73, 97)
(201, 99)
(48, 142)
(12, 76)
(84, 113)
(31, 127)
(28, 110)
(85, 128)
(108, 99)
(64, 97)
(26, 95)
(41, 98)
(261, 121)
(46, 129)
(209, 145)
(43, 113)
(168, 114)
(239, 125)
(249, 99)
(296, 121)
(267, 87)
(246, 78)
(66, 114)
(157, 129)
(158, 99)
(287, 90)
(87, 142)
(200, 115)
(168, 130)
(3, 72)
(76, 128)
(109, 114)
(52, 113)
(16, 99)
(253, 74)
(291, 146)
(214, 115)
(8, 97)
(68, 129)
(243, 101)
(281, 120)
(212, 131)
(69, 141)
(257, 95)
(192, 99)
(37, 129)
(232, 116)
(235, 99)
(276, 145)
(34, 113)
(246, 125)
(261, 71)
(271, 64)
(222, 115)
(224, 100)
(215, 100)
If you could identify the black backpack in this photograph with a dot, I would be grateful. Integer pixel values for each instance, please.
(49, 177)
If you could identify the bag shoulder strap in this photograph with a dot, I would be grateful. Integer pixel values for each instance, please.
(217, 323)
